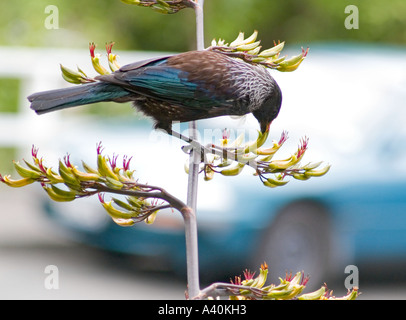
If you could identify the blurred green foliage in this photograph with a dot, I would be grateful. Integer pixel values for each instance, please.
(135, 28)
(7, 154)
(10, 88)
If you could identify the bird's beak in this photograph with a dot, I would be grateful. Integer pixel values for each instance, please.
(265, 126)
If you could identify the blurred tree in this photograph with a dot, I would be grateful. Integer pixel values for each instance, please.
(299, 22)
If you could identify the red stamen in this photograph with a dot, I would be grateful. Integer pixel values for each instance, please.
(237, 280)
(66, 160)
(248, 275)
(92, 47)
(305, 280)
(41, 166)
(283, 138)
(113, 161)
(305, 52)
(126, 163)
(99, 148)
(303, 147)
(109, 46)
(101, 197)
(34, 151)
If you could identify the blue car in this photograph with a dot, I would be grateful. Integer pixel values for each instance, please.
(350, 101)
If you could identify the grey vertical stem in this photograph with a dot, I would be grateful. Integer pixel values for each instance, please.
(194, 160)
(199, 25)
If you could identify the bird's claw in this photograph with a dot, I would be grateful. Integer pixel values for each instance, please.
(187, 149)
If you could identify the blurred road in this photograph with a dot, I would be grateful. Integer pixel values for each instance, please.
(29, 243)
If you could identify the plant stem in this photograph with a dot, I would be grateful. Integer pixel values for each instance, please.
(192, 256)
(222, 289)
(199, 25)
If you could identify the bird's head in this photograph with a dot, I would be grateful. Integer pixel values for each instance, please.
(269, 109)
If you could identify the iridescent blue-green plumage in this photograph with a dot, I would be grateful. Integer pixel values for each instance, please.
(184, 87)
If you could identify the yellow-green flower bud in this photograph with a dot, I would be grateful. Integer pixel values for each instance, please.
(261, 279)
(151, 218)
(238, 40)
(123, 222)
(251, 39)
(68, 177)
(208, 173)
(53, 177)
(253, 146)
(312, 165)
(292, 63)
(283, 294)
(113, 183)
(300, 176)
(317, 173)
(315, 295)
(96, 60)
(236, 170)
(16, 183)
(255, 51)
(88, 168)
(114, 212)
(136, 2)
(75, 77)
(272, 183)
(103, 167)
(351, 295)
(27, 173)
(112, 58)
(84, 176)
(248, 46)
(59, 195)
(272, 51)
(283, 164)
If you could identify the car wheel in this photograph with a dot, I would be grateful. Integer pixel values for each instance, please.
(297, 240)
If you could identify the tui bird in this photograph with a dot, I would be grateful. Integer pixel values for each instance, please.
(183, 87)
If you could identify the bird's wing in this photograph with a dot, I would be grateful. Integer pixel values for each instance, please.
(159, 79)
(143, 63)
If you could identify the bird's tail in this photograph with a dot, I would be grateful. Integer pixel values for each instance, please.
(52, 100)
